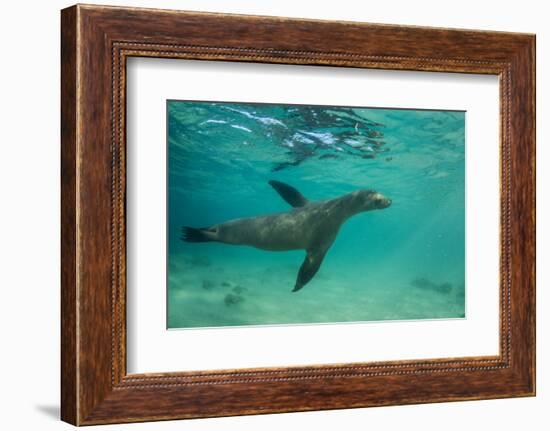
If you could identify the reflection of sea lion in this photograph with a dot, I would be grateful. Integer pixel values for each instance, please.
(311, 226)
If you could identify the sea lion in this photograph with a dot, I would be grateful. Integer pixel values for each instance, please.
(311, 226)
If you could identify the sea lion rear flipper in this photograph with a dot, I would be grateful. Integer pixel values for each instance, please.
(309, 268)
(191, 234)
(289, 193)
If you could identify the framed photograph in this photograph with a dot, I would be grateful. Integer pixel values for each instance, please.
(264, 214)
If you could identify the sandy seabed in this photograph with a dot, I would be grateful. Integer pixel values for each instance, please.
(210, 292)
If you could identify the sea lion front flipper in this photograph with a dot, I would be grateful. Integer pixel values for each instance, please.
(288, 193)
(309, 268)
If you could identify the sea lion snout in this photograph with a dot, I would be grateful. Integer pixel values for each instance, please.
(371, 200)
(382, 201)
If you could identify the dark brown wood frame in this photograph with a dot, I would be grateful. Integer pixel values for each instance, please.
(96, 42)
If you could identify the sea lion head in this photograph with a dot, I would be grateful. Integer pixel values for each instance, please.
(368, 200)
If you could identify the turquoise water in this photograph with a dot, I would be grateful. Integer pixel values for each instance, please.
(406, 261)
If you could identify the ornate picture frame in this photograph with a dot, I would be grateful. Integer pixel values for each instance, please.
(96, 42)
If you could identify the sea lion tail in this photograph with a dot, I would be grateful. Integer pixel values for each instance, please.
(192, 234)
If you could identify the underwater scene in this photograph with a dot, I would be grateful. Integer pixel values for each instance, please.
(303, 214)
